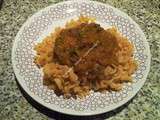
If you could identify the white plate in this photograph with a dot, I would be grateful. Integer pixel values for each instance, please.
(43, 22)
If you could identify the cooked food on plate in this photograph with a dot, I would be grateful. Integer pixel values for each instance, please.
(84, 56)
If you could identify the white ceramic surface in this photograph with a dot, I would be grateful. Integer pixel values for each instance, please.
(42, 23)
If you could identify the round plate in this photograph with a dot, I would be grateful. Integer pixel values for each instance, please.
(43, 22)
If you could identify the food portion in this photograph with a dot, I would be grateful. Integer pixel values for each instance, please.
(84, 56)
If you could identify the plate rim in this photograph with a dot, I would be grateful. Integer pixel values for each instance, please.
(69, 111)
